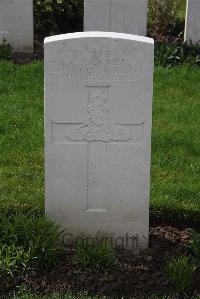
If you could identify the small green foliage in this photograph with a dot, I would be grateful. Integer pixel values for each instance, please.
(179, 272)
(5, 50)
(195, 246)
(57, 16)
(171, 55)
(27, 242)
(166, 18)
(24, 293)
(101, 257)
(13, 260)
(162, 14)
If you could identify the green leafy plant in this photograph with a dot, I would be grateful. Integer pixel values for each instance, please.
(27, 242)
(5, 50)
(101, 257)
(23, 292)
(13, 260)
(171, 55)
(57, 16)
(195, 246)
(179, 272)
(162, 14)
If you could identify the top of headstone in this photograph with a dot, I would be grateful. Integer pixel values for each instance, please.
(90, 34)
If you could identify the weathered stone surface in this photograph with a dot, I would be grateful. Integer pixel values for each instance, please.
(98, 107)
(16, 24)
(192, 24)
(126, 16)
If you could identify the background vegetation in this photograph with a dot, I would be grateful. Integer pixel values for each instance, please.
(165, 17)
(57, 16)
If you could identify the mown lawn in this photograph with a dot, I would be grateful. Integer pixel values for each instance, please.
(175, 184)
(176, 141)
(181, 9)
(21, 129)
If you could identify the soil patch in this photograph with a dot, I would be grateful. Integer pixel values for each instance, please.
(137, 276)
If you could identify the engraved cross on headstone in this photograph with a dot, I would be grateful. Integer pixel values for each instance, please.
(98, 131)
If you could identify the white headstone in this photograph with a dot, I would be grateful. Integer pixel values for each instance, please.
(16, 24)
(98, 108)
(127, 16)
(192, 24)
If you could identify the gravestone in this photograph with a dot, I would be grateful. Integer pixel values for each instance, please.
(126, 16)
(98, 107)
(192, 23)
(16, 24)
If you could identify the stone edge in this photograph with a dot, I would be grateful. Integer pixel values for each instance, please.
(101, 34)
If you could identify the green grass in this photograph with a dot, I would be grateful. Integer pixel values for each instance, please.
(179, 272)
(181, 9)
(21, 139)
(175, 181)
(175, 184)
(100, 256)
(27, 243)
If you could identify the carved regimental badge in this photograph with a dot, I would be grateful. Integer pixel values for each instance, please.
(100, 126)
